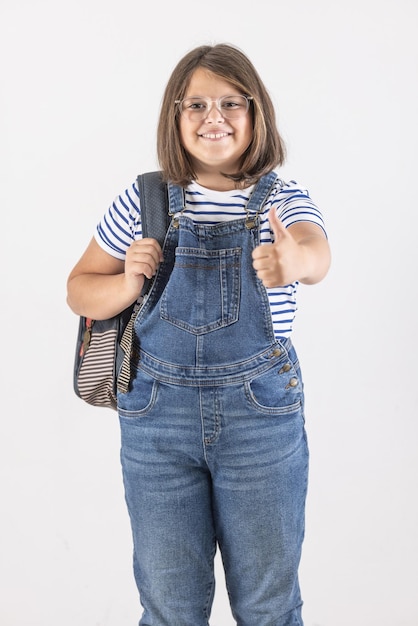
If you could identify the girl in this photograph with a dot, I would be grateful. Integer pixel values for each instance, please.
(213, 444)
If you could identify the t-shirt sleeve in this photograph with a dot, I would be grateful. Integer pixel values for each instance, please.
(294, 204)
(121, 224)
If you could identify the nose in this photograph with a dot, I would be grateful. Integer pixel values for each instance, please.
(214, 113)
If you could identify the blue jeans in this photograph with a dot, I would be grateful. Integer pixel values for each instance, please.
(231, 470)
(214, 449)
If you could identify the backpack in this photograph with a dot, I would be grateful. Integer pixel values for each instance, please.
(104, 347)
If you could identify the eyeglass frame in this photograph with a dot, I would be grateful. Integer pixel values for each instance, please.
(248, 100)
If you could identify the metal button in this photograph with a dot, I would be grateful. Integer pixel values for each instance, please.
(286, 367)
(293, 382)
(276, 352)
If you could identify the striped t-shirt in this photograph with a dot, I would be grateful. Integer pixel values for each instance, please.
(121, 224)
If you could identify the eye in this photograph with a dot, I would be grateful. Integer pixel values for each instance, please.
(233, 103)
(194, 104)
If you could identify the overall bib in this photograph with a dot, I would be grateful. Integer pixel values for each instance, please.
(214, 449)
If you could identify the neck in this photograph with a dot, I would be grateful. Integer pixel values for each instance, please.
(217, 182)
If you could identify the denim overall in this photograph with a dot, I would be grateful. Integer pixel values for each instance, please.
(213, 447)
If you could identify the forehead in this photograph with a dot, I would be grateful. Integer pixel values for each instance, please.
(205, 83)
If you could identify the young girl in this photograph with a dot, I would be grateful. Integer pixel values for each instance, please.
(213, 450)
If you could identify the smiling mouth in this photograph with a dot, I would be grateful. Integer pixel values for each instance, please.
(214, 135)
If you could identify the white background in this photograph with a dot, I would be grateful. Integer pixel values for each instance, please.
(81, 84)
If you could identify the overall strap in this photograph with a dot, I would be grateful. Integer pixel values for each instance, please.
(261, 191)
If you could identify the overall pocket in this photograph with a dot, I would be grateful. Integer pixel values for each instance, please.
(203, 293)
(141, 397)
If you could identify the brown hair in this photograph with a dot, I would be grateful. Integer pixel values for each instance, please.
(266, 150)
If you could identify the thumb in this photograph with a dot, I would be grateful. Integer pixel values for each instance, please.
(276, 225)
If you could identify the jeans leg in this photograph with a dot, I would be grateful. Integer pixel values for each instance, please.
(260, 473)
(168, 494)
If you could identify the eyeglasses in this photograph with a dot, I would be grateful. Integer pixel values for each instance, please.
(197, 108)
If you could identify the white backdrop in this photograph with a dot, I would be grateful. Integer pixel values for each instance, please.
(81, 84)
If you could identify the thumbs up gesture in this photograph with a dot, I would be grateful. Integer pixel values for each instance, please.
(282, 262)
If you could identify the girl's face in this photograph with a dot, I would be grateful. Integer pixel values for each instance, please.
(214, 143)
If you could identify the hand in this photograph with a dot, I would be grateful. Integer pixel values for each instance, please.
(143, 258)
(280, 263)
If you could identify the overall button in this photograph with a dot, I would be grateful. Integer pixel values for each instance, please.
(286, 367)
(276, 352)
(292, 383)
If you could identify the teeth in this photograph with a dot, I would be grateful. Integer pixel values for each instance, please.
(215, 135)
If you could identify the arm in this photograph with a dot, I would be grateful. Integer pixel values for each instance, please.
(100, 286)
(299, 253)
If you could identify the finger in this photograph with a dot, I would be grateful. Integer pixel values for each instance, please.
(276, 225)
(154, 246)
(148, 248)
(147, 266)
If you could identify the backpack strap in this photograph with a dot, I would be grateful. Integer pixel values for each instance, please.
(155, 219)
(153, 196)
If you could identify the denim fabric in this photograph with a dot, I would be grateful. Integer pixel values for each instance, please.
(214, 449)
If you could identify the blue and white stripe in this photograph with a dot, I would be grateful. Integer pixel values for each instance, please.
(121, 224)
